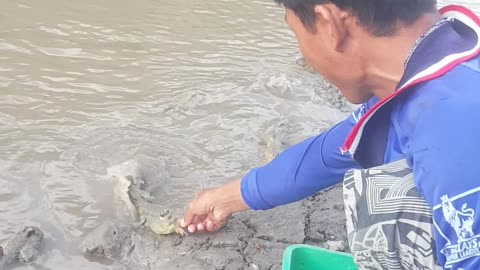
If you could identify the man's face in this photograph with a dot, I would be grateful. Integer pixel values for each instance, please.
(341, 66)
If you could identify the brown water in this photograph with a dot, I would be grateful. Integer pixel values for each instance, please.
(85, 85)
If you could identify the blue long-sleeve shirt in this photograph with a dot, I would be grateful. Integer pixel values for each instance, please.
(433, 124)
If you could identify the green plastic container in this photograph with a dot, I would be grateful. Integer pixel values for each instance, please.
(305, 257)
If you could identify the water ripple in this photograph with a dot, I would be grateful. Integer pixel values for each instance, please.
(103, 88)
(73, 53)
(13, 48)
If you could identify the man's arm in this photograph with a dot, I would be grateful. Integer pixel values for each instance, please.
(301, 170)
(444, 158)
(295, 174)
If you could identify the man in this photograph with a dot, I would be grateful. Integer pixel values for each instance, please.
(416, 71)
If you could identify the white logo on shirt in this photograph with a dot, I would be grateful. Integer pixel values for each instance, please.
(467, 244)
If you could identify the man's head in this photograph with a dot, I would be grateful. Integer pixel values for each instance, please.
(335, 35)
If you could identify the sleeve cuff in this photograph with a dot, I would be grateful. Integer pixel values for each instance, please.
(250, 193)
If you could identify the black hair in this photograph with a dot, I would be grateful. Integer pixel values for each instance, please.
(380, 17)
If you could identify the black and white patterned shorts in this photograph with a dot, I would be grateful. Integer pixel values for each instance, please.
(389, 224)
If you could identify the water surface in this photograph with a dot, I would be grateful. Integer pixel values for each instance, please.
(87, 85)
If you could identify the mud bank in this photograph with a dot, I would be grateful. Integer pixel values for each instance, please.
(251, 240)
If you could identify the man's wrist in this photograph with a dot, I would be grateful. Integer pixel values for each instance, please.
(230, 197)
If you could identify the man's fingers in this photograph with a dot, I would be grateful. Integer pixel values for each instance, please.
(191, 228)
(187, 217)
(197, 219)
(183, 224)
(200, 227)
(192, 216)
(209, 225)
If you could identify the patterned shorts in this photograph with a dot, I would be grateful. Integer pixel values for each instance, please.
(389, 225)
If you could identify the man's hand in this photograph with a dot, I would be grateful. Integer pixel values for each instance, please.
(212, 208)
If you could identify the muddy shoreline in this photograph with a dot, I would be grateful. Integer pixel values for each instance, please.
(251, 240)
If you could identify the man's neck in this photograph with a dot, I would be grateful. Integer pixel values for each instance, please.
(385, 56)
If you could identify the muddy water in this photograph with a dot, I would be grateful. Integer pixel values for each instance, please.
(84, 86)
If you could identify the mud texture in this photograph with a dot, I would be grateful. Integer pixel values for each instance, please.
(22, 248)
(251, 240)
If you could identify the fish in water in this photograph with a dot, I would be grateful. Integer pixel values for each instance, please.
(159, 219)
(272, 149)
(134, 190)
(302, 62)
(24, 247)
(274, 140)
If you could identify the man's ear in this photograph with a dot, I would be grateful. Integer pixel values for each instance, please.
(332, 20)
